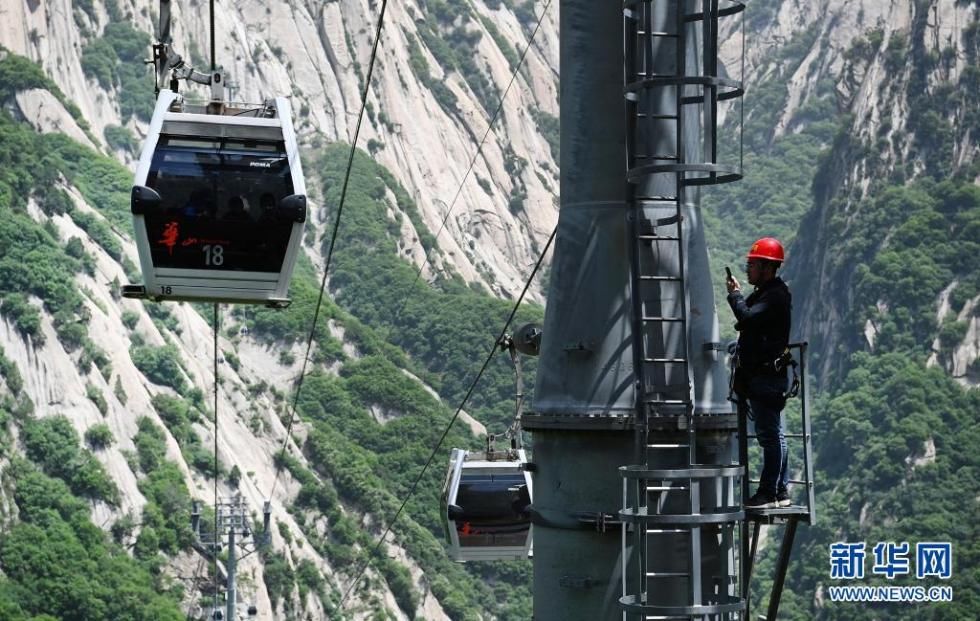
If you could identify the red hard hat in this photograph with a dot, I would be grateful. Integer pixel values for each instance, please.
(767, 248)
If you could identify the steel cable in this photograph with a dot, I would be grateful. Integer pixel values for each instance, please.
(333, 239)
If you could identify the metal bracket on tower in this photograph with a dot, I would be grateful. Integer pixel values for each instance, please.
(601, 521)
(598, 521)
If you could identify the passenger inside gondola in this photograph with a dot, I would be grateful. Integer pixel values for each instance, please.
(199, 204)
(267, 207)
(236, 209)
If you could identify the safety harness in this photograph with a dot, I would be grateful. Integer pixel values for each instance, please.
(779, 365)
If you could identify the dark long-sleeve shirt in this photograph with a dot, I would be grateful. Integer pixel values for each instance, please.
(763, 321)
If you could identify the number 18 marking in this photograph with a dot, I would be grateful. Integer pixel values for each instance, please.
(214, 255)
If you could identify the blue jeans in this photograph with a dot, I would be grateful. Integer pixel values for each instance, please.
(765, 403)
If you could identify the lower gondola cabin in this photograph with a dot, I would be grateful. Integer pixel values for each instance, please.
(218, 203)
(486, 506)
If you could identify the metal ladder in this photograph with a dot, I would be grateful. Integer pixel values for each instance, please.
(671, 390)
(669, 506)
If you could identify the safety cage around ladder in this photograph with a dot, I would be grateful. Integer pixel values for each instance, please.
(218, 203)
(682, 511)
(486, 506)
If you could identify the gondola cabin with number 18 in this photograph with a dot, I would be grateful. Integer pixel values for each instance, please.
(218, 203)
(486, 506)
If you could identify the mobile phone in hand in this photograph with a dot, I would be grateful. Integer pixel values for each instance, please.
(728, 272)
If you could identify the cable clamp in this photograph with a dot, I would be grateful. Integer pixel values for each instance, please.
(601, 521)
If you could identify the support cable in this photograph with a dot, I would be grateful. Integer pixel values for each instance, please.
(445, 432)
(333, 239)
(514, 431)
(469, 169)
(213, 66)
(216, 328)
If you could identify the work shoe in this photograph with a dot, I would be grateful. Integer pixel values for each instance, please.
(782, 499)
(761, 501)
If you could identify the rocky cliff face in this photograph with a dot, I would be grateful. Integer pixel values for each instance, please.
(903, 80)
(251, 426)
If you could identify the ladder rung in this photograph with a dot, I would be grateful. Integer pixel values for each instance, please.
(668, 445)
(667, 278)
(665, 360)
(664, 199)
(662, 319)
(657, 33)
(662, 117)
(670, 158)
(666, 387)
(667, 574)
(665, 488)
(660, 237)
(790, 482)
(785, 435)
(666, 531)
(666, 401)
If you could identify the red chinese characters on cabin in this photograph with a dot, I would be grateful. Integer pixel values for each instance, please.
(170, 238)
(171, 233)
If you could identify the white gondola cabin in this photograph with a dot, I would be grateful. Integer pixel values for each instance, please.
(218, 203)
(486, 506)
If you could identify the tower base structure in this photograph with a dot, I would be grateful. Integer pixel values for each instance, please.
(578, 538)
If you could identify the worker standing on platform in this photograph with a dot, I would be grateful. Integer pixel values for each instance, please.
(759, 373)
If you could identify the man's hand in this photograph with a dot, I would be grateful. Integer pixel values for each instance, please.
(732, 284)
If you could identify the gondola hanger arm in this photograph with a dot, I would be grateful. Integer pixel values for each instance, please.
(166, 59)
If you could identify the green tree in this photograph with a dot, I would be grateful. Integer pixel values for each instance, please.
(99, 436)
